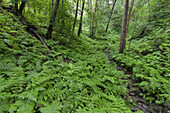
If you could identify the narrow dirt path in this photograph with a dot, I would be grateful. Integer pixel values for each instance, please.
(133, 99)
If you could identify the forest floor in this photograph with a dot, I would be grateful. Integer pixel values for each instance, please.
(134, 99)
(81, 74)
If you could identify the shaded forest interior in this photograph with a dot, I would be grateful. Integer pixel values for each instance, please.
(84, 56)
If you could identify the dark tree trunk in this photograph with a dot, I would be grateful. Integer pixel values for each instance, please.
(93, 18)
(110, 15)
(81, 17)
(130, 11)
(16, 7)
(148, 11)
(52, 19)
(22, 6)
(75, 18)
(123, 30)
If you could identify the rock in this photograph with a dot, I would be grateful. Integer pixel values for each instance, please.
(133, 108)
(156, 108)
(134, 90)
(133, 99)
(132, 94)
(144, 106)
(144, 101)
(166, 104)
(150, 110)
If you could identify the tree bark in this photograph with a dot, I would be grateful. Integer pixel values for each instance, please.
(22, 6)
(16, 7)
(123, 29)
(148, 11)
(110, 15)
(130, 11)
(52, 19)
(81, 17)
(75, 18)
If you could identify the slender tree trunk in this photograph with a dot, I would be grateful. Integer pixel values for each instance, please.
(148, 11)
(16, 7)
(93, 18)
(81, 17)
(123, 30)
(130, 11)
(52, 19)
(110, 15)
(75, 18)
(22, 6)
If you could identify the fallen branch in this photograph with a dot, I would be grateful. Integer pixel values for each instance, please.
(31, 28)
(38, 36)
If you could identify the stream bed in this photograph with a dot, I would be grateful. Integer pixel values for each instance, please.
(133, 99)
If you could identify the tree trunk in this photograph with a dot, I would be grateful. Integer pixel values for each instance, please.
(16, 7)
(123, 30)
(93, 18)
(52, 19)
(148, 11)
(81, 17)
(75, 18)
(22, 6)
(130, 11)
(110, 15)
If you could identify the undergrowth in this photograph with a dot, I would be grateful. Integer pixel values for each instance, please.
(148, 59)
(76, 77)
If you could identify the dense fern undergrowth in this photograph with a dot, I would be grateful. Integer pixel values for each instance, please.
(75, 76)
(36, 80)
